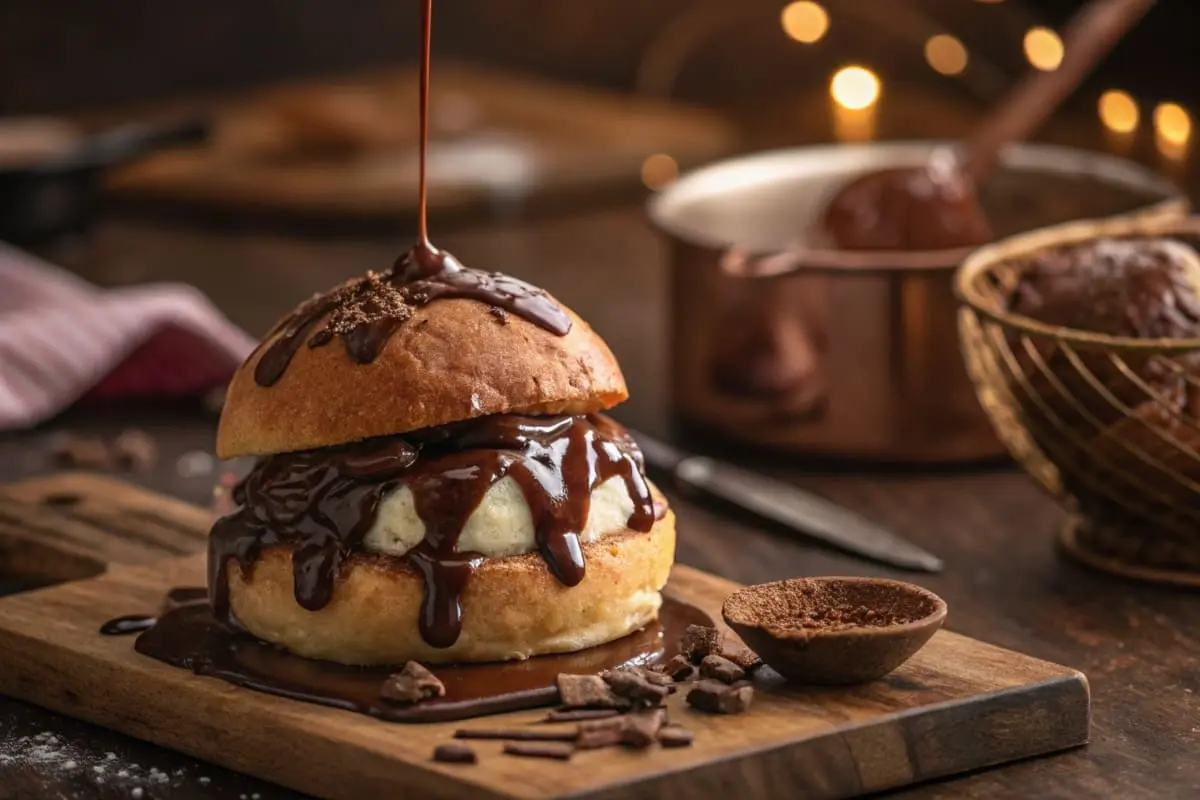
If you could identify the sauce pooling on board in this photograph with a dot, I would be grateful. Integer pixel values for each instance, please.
(322, 503)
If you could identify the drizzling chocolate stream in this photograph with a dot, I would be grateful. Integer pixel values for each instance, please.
(365, 312)
(322, 503)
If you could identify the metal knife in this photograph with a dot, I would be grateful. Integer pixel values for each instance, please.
(786, 504)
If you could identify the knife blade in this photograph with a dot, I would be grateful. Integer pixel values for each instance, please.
(786, 504)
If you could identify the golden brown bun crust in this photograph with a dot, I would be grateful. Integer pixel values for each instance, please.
(453, 360)
(512, 607)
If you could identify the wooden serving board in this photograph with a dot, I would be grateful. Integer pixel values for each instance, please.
(347, 147)
(958, 705)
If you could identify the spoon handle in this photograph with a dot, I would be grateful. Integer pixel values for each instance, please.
(1088, 37)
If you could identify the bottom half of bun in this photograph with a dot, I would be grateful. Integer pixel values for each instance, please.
(512, 607)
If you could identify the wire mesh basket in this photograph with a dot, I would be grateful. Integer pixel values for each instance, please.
(1109, 425)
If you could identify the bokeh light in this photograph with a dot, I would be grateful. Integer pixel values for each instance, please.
(659, 170)
(805, 21)
(1172, 124)
(854, 87)
(1043, 48)
(946, 54)
(1118, 111)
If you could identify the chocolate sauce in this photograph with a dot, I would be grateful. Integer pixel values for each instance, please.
(123, 626)
(365, 312)
(191, 637)
(930, 208)
(322, 503)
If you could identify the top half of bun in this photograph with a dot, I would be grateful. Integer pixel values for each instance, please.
(453, 360)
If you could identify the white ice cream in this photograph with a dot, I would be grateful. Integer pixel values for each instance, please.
(501, 526)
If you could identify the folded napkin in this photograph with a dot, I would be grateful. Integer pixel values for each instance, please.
(63, 340)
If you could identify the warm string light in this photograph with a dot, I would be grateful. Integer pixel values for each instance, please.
(1119, 111)
(854, 87)
(805, 21)
(946, 54)
(1172, 131)
(658, 171)
(1043, 48)
(855, 92)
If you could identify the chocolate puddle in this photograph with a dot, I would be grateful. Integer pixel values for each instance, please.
(190, 637)
(322, 503)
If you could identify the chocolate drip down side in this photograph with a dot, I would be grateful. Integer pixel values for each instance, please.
(366, 312)
(322, 503)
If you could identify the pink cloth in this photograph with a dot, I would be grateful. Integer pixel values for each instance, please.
(63, 340)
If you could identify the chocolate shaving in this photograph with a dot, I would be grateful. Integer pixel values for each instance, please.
(555, 750)
(641, 727)
(675, 736)
(677, 669)
(721, 669)
(717, 698)
(699, 641)
(744, 657)
(454, 753)
(600, 733)
(587, 691)
(634, 686)
(581, 715)
(517, 734)
(410, 685)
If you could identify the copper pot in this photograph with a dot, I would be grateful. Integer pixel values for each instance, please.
(780, 343)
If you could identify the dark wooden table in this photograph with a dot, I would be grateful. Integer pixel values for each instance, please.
(1139, 645)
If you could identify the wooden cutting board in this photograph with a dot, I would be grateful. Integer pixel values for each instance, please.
(958, 705)
(347, 147)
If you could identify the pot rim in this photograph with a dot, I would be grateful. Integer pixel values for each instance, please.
(664, 208)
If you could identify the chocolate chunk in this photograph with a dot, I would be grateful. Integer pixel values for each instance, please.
(677, 669)
(717, 698)
(454, 753)
(587, 691)
(410, 685)
(675, 736)
(600, 733)
(634, 686)
(517, 734)
(581, 715)
(135, 450)
(699, 641)
(721, 669)
(657, 678)
(555, 750)
(69, 450)
(499, 314)
(744, 657)
(641, 727)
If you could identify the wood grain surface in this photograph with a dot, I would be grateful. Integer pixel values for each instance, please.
(956, 706)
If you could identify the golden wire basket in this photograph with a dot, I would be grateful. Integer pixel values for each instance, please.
(1108, 425)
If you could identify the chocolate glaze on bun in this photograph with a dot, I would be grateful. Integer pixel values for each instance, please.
(435, 480)
(400, 351)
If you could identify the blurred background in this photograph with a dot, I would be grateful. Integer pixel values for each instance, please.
(545, 99)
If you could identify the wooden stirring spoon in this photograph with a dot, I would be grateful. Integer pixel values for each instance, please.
(935, 206)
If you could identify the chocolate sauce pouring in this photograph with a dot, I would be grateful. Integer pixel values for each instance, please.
(365, 312)
(935, 206)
